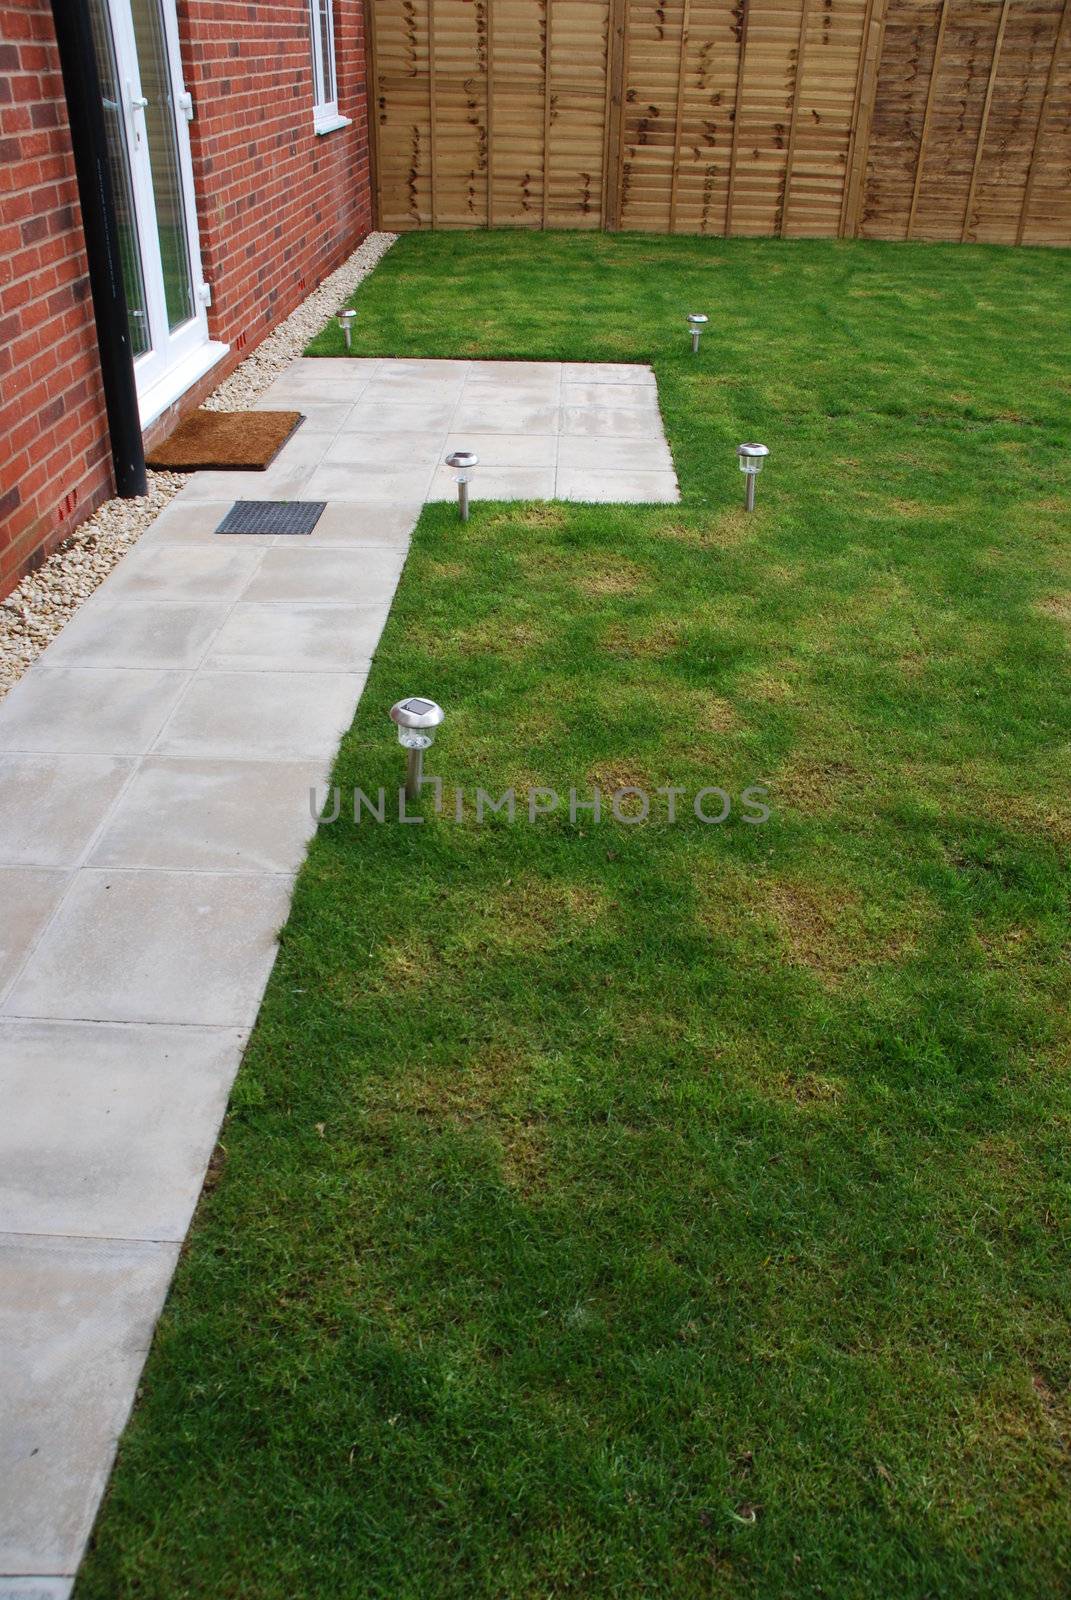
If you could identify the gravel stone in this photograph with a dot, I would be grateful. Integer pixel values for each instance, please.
(47, 598)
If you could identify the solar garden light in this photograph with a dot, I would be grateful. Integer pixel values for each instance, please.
(416, 721)
(463, 462)
(697, 322)
(751, 458)
(346, 319)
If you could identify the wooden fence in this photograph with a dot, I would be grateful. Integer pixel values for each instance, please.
(886, 119)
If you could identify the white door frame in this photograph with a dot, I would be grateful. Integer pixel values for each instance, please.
(176, 358)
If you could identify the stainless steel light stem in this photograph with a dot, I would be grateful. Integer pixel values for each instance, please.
(414, 773)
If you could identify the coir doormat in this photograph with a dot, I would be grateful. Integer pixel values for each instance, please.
(235, 441)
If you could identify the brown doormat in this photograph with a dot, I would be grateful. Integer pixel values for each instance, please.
(233, 441)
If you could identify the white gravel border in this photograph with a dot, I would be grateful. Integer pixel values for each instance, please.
(37, 609)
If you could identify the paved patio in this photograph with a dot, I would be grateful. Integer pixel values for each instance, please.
(155, 767)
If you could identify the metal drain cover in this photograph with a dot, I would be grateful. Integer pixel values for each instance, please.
(272, 516)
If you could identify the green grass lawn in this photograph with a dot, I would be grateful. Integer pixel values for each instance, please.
(619, 1210)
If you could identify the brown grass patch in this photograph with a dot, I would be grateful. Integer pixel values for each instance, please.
(913, 508)
(542, 516)
(1056, 605)
(818, 925)
(611, 579)
(523, 1153)
(409, 964)
(499, 637)
(723, 532)
(532, 912)
(809, 1089)
(1037, 815)
(1055, 1409)
(772, 686)
(817, 788)
(652, 643)
(825, 928)
(715, 716)
(448, 571)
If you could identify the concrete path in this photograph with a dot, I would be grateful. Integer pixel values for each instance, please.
(155, 767)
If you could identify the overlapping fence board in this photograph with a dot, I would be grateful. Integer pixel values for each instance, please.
(927, 119)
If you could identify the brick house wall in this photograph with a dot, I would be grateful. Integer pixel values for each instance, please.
(278, 207)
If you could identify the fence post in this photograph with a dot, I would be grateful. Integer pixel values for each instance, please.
(866, 94)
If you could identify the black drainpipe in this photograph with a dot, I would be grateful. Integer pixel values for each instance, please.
(85, 113)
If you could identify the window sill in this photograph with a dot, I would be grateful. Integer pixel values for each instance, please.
(329, 125)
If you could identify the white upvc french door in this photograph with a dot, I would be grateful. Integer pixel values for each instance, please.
(147, 112)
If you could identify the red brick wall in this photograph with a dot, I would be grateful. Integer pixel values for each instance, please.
(278, 207)
(54, 457)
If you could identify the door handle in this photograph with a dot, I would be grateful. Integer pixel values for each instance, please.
(136, 102)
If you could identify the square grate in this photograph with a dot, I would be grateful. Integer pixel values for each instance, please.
(272, 516)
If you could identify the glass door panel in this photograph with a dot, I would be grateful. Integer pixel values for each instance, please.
(161, 134)
(122, 185)
(149, 155)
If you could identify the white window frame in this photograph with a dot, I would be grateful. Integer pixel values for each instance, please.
(325, 112)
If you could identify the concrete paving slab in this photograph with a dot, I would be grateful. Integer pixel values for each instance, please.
(427, 387)
(368, 484)
(183, 815)
(323, 379)
(195, 522)
(305, 447)
(506, 449)
(76, 1319)
(36, 1588)
(627, 488)
(333, 575)
(385, 450)
(611, 422)
(495, 414)
(607, 372)
(497, 483)
(29, 896)
(593, 454)
(115, 711)
(51, 806)
(261, 716)
(280, 481)
(108, 1128)
(358, 523)
(400, 416)
(627, 396)
(422, 367)
(542, 375)
(215, 572)
(138, 633)
(321, 416)
(297, 637)
(178, 947)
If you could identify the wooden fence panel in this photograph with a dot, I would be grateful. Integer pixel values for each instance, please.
(576, 113)
(1044, 218)
(402, 114)
(891, 119)
(707, 104)
(1026, 52)
(518, 100)
(655, 38)
(824, 116)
